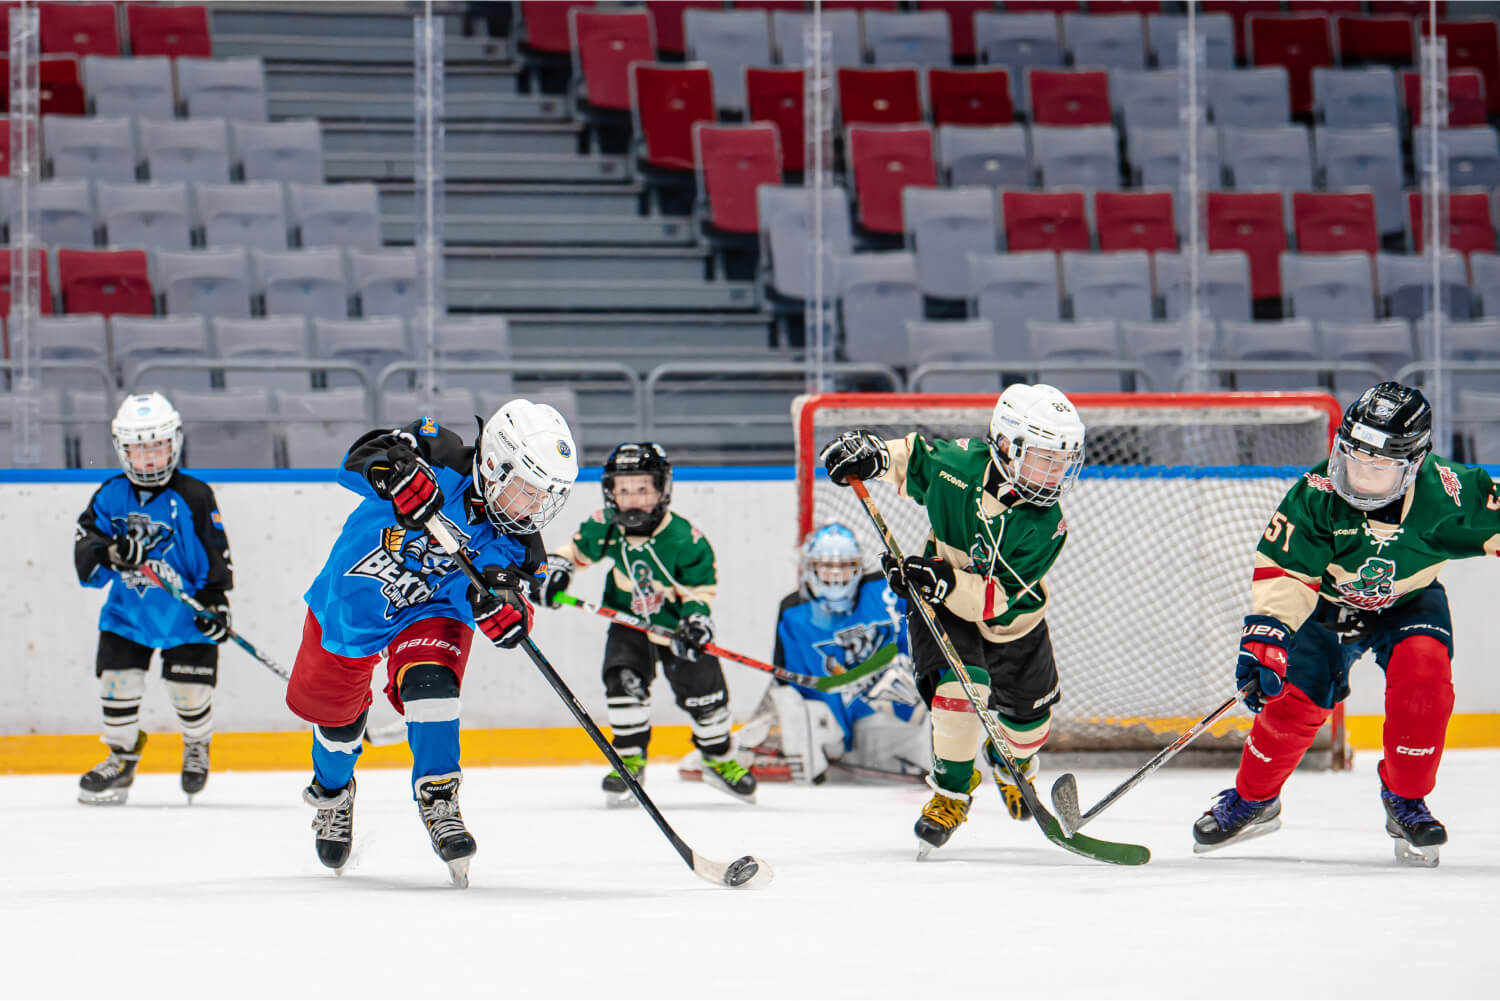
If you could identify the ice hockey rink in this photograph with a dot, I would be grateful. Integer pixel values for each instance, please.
(568, 899)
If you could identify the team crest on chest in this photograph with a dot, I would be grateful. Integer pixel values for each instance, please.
(409, 565)
(646, 596)
(156, 542)
(1373, 587)
(1451, 485)
(853, 645)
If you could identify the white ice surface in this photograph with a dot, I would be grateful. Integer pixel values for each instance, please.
(225, 898)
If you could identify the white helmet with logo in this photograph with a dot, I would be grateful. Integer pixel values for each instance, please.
(524, 465)
(1043, 435)
(147, 432)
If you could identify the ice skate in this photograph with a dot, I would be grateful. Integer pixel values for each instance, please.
(1417, 834)
(1015, 803)
(616, 792)
(437, 802)
(334, 823)
(729, 776)
(942, 815)
(108, 783)
(194, 766)
(1233, 819)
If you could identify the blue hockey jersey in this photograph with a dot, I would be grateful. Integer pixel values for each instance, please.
(184, 541)
(809, 640)
(379, 577)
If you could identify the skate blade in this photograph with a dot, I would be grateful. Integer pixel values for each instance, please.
(923, 849)
(458, 871)
(1248, 834)
(712, 780)
(110, 797)
(1415, 855)
(619, 801)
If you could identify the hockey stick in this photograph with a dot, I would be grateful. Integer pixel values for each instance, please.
(747, 870)
(1065, 789)
(1117, 853)
(375, 736)
(826, 683)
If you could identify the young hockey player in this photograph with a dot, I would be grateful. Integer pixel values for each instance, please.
(996, 529)
(663, 570)
(1349, 563)
(837, 620)
(157, 516)
(389, 588)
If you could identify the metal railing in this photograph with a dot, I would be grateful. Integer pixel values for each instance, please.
(1313, 367)
(650, 421)
(309, 366)
(1031, 366)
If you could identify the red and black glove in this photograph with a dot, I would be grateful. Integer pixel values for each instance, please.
(1262, 661)
(501, 611)
(409, 483)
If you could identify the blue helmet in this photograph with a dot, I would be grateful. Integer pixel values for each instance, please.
(830, 568)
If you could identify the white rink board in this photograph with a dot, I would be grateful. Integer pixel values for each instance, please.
(281, 533)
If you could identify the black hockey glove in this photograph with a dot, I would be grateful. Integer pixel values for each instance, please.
(214, 626)
(932, 578)
(125, 552)
(408, 482)
(855, 453)
(693, 634)
(556, 576)
(501, 611)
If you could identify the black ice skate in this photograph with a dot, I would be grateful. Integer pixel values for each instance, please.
(194, 767)
(334, 823)
(108, 783)
(616, 792)
(437, 802)
(942, 815)
(1234, 818)
(727, 775)
(1416, 833)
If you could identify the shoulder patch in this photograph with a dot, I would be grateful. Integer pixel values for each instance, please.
(697, 535)
(1451, 485)
(428, 428)
(597, 517)
(961, 442)
(1317, 482)
(1062, 528)
(213, 516)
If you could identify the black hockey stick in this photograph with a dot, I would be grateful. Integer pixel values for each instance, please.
(1117, 853)
(1065, 789)
(747, 870)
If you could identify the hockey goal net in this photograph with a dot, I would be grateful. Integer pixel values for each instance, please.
(1149, 594)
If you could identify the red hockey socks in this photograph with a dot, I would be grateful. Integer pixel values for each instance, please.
(1281, 734)
(1418, 703)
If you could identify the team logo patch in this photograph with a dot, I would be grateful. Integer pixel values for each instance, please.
(1451, 485)
(410, 566)
(213, 516)
(646, 596)
(563, 449)
(1062, 528)
(853, 645)
(1374, 586)
(1317, 482)
(156, 543)
(429, 428)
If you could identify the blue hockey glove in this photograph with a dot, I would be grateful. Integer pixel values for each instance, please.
(1263, 646)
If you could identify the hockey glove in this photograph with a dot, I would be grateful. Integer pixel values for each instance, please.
(855, 453)
(932, 578)
(556, 576)
(693, 634)
(1263, 644)
(501, 612)
(126, 552)
(409, 483)
(214, 626)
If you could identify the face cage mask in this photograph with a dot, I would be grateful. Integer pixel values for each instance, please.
(1338, 471)
(1041, 496)
(509, 486)
(838, 598)
(157, 477)
(638, 521)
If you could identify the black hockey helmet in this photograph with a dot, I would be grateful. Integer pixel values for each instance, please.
(1384, 437)
(633, 458)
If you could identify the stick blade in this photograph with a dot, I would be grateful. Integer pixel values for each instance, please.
(745, 872)
(1065, 802)
(1110, 852)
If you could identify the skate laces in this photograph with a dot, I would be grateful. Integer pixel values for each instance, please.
(195, 756)
(441, 815)
(634, 762)
(335, 817)
(729, 769)
(1233, 810)
(948, 812)
(1408, 812)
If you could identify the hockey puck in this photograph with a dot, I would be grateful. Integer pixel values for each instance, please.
(741, 871)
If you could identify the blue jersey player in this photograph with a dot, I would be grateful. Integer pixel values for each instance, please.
(153, 514)
(389, 589)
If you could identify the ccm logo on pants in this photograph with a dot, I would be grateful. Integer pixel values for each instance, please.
(1415, 752)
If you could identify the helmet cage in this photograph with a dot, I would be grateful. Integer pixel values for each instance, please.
(154, 421)
(830, 568)
(1040, 479)
(632, 459)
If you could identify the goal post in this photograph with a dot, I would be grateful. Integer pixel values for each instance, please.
(1148, 596)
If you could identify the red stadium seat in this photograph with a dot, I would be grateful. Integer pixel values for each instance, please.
(1466, 101)
(1334, 223)
(1238, 10)
(1474, 45)
(776, 95)
(1069, 97)
(978, 96)
(667, 99)
(1409, 8)
(1470, 225)
(1045, 220)
(85, 29)
(859, 4)
(62, 90)
(1325, 6)
(960, 21)
(168, 31)
(1135, 220)
(105, 281)
(1042, 6)
(547, 25)
(1251, 221)
(1378, 39)
(666, 18)
(40, 258)
(884, 160)
(792, 5)
(883, 96)
(733, 161)
(1297, 43)
(605, 43)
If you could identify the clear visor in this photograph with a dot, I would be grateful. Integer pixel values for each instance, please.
(1368, 481)
(516, 505)
(1043, 475)
(148, 462)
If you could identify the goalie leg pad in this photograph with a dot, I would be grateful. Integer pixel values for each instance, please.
(120, 694)
(1279, 737)
(195, 708)
(956, 729)
(1418, 704)
(810, 736)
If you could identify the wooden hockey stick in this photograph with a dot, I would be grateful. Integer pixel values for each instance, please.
(747, 870)
(1116, 853)
(825, 683)
(1065, 789)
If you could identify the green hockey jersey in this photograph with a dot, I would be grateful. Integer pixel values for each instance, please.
(665, 576)
(1317, 545)
(999, 552)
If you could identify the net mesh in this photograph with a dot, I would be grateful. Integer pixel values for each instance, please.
(1150, 592)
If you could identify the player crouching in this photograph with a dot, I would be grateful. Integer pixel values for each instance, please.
(1349, 563)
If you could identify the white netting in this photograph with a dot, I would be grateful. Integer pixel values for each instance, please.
(1151, 589)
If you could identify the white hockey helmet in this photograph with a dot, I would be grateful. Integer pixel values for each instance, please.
(524, 465)
(147, 432)
(830, 567)
(1043, 437)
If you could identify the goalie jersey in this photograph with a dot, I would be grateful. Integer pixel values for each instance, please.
(812, 640)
